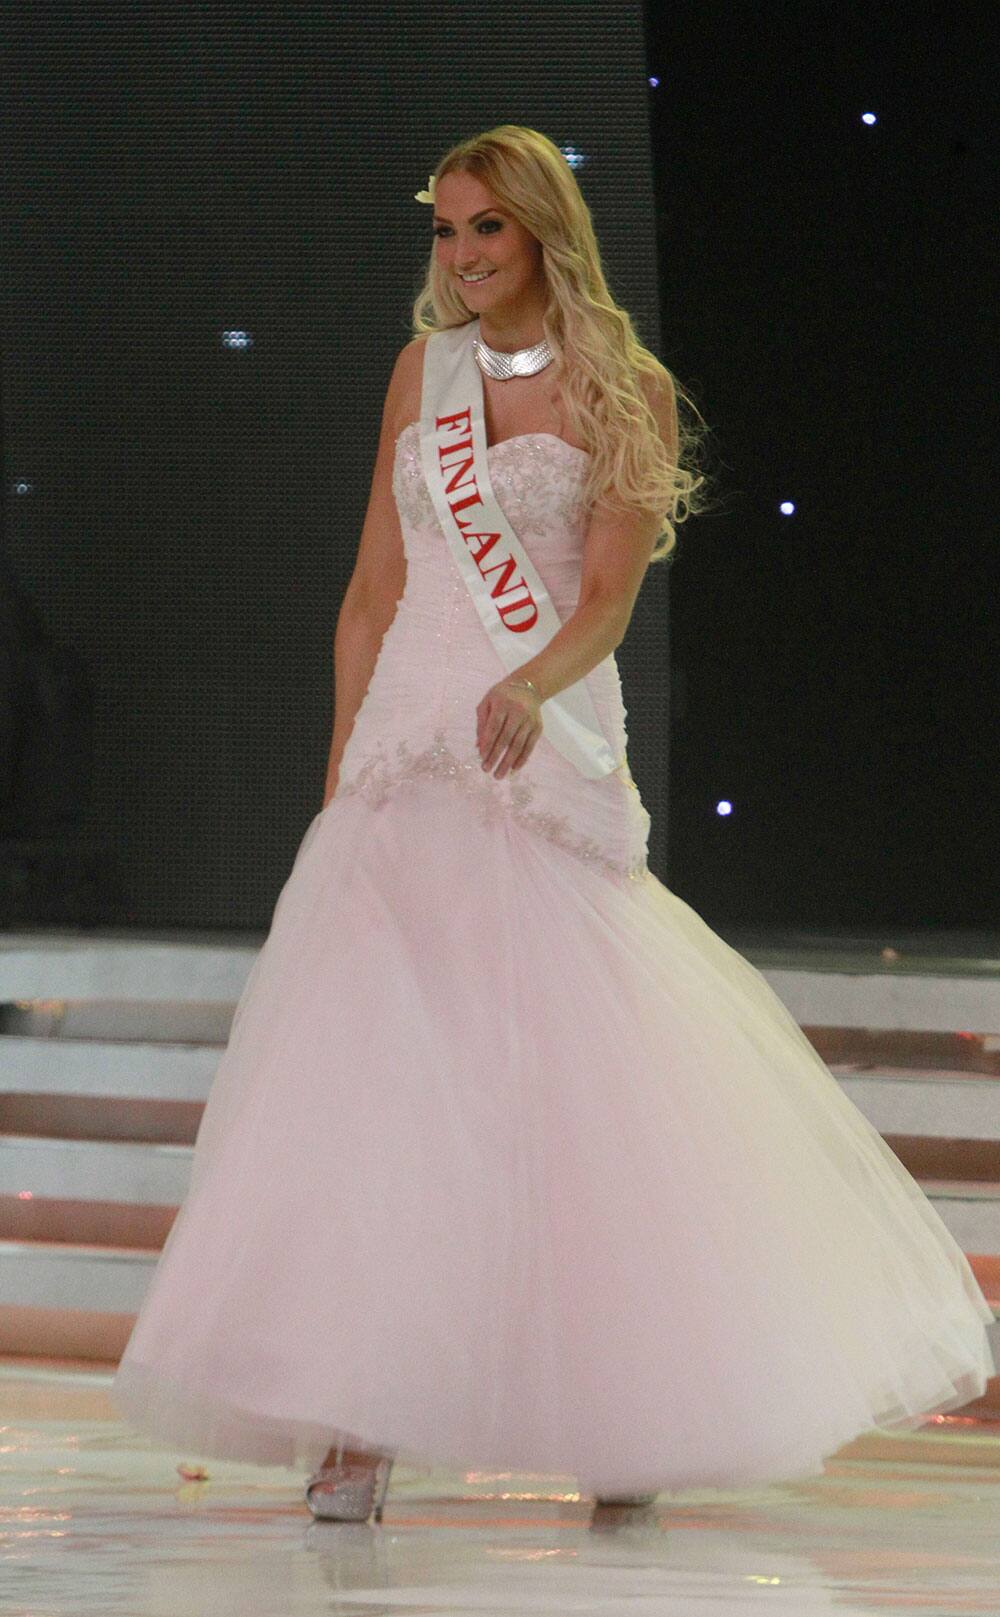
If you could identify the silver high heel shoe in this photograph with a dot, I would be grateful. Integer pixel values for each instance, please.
(347, 1492)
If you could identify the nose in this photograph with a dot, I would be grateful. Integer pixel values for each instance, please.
(465, 260)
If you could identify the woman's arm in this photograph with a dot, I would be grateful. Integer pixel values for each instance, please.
(617, 549)
(379, 575)
(356, 645)
(616, 554)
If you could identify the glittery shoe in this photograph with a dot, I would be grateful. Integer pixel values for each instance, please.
(347, 1492)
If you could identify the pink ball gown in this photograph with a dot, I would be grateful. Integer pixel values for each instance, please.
(510, 1160)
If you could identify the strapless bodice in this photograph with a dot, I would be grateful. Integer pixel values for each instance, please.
(436, 662)
(538, 481)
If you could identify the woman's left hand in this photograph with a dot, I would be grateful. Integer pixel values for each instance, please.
(508, 723)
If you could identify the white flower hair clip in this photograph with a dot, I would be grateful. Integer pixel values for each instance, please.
(428, 195)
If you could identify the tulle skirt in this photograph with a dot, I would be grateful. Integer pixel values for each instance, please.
(511, 1164)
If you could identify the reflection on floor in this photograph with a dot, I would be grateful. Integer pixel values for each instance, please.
(97, 1522)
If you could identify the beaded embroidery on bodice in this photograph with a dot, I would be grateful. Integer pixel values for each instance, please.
(418, 717)
(539, 470)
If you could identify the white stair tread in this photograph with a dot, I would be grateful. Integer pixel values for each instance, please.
(943, 1105)
(855, 993)
(136, 1172)
(117, 1069)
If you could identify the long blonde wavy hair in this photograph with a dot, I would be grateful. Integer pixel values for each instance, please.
(599, 358)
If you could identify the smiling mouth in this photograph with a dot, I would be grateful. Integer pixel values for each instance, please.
(476, 279)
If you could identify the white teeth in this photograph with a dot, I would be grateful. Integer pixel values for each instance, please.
(470, 279)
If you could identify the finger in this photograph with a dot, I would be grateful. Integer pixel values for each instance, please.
(495, 738)
(514, 750)
(524, 754)
(482, 722)
(526, 750)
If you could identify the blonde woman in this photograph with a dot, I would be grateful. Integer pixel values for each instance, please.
(510, 1160)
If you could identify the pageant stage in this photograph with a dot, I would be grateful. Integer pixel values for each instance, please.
(108, 1048)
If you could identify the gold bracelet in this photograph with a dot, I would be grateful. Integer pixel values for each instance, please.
(527, 682)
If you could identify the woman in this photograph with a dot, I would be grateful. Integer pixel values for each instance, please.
(510, 1160)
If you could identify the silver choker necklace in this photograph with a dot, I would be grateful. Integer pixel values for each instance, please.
(525, 362)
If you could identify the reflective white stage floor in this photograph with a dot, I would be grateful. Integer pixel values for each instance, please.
(97, 1522)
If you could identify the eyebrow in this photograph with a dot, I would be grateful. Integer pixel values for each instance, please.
(441, 220)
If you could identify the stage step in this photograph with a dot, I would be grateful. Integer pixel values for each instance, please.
(71, 1299)
(134, 1089)
(824, 987)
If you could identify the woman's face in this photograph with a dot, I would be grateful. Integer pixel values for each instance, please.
(474, 233)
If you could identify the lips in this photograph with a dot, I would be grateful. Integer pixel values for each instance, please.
(477, 280)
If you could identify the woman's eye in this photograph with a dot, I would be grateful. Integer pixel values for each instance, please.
(441, 230)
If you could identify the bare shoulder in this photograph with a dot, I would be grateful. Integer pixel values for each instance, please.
(411, 358)
(406, 382)
(380, 567)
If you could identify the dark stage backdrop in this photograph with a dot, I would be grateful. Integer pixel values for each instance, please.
(210, 249)
(829, 288)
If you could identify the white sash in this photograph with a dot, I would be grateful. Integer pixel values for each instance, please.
(516, 610)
